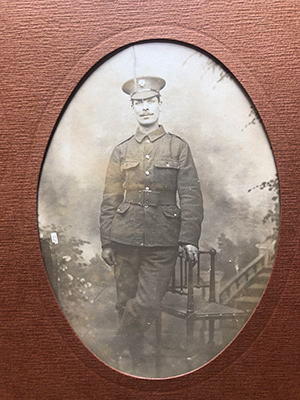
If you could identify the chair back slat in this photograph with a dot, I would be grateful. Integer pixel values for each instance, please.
(187, 276)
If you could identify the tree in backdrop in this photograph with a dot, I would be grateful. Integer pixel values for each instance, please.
(273, 214)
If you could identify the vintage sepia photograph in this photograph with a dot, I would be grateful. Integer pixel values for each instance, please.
(158, 209)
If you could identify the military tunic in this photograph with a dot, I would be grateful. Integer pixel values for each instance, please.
(152, 202)
(152, 195)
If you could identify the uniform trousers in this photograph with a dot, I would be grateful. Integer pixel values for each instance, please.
(142, 277)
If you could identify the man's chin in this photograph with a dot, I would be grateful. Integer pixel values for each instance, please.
(146, 123)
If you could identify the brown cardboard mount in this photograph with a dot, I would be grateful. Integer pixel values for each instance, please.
(46, 48)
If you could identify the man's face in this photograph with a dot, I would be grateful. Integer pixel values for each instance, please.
(146, 111)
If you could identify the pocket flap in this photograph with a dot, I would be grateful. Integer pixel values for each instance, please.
(123, 207)
(167, 164)
(172, 211)
(129, 164)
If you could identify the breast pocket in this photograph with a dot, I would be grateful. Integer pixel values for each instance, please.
(166, 173)
(131, 172)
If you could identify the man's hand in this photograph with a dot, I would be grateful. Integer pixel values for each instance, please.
(108, 256)
(191, 252)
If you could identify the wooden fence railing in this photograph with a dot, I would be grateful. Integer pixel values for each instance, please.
(236, 284)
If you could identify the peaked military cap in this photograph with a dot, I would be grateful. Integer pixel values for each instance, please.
(143, 87)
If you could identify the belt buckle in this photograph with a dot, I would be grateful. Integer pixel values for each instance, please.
(144, 197)
(147, 197)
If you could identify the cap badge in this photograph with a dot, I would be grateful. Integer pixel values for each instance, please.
(142, 83)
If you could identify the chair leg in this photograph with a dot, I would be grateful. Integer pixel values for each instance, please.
(190, 325)
(158, 344)
(202, 332)
(211, 333)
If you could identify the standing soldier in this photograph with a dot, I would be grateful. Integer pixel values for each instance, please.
(152, 204)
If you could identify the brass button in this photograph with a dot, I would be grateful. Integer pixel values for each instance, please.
(147, 156)
(147, 173)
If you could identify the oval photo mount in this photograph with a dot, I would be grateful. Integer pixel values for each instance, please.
(144, 316)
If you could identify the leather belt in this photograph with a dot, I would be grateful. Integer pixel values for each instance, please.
(150, 197)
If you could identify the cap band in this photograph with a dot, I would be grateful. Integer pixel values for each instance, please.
(145, 90)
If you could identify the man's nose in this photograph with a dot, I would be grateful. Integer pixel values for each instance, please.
(145, 105)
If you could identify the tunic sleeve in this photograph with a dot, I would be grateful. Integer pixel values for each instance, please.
(190, 197)
(112, 196)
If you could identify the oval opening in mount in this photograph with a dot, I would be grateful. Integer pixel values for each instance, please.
(134, 158)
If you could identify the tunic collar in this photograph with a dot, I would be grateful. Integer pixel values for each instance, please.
(152, 136)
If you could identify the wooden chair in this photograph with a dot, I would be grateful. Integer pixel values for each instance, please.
(185, 280)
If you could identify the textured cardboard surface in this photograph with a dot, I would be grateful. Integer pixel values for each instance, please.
(46, 48)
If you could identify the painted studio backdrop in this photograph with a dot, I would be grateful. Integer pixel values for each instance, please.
(204, 104)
